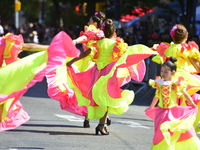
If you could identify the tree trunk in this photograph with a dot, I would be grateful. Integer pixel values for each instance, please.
(117, 10)
(57, 11)
(190, 13)
(90, 8)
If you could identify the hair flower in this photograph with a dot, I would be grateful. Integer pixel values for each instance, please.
(168, 58)
(172, 32)
(103, 25)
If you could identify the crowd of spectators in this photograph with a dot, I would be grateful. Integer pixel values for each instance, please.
(142, 33)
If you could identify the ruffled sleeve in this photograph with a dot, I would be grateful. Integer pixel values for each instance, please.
(119, 49)
(194, 50)
(154, 85)
(159, 59)
(161, 48)
(189, 50)
(13, 46)
(179, 85)
(92, 33)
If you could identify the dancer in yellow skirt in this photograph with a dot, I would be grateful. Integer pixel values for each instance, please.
(173, 124)
(188, 58)
(115, 63)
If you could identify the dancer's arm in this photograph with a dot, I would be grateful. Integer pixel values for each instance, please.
(34, 47)
(82, 55)
(80, 39)
(195, 63)
(154, 102)
(188, 97)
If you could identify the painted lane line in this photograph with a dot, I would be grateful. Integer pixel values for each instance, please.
(133, 124)
(70, 118)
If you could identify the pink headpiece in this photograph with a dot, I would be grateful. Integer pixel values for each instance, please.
(96, 13)
(103, 25)
(172, 32)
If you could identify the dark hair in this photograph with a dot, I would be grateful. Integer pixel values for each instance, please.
(179, 33)
(108, 28)
(170, 62)
(98, 17)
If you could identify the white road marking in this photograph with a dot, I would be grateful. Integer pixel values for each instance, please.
(70, 118)
(76, 119)
(133, 124)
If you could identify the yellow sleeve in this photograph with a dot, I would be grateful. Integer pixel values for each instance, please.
(154, 85)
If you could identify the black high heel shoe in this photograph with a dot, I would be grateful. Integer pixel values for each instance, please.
(86, 124)
(97, 130)
(108, 121)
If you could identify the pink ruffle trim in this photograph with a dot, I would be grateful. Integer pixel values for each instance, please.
(16, 117)
(60, 47)
(15, 43)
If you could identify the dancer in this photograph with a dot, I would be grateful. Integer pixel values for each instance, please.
(173, 123)
(18, 75)
(14, 78)
(57, 88)
(98, 88)
(91, 32)
(188, 58)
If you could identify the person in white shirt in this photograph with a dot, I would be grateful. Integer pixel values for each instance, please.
(1, 29)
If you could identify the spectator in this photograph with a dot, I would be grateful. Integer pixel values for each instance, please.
(1, 29)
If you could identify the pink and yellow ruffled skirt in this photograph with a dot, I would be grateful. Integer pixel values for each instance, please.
(174, 128)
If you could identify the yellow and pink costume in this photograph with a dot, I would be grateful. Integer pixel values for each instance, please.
(173, 124)
(182, 52)
(97, 86)
(18, 75)
(58, 88)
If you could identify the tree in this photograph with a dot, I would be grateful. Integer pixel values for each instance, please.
(6, 10)
(64, 10)
(188, 13)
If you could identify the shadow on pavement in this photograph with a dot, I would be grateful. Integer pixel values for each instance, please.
(50, 132)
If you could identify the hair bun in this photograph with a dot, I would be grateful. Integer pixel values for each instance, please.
(178, 33)
(109, 23)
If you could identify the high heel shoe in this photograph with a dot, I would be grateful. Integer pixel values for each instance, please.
(86, 124)
(97, 130)
(108, 121)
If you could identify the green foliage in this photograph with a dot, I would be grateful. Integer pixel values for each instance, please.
(6, 10)
(57, 10)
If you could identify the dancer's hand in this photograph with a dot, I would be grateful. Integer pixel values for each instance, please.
(69, 63)
(74, 42)
(147, 108)
(194, 105)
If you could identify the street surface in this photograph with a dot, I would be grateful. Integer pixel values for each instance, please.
(51, 128)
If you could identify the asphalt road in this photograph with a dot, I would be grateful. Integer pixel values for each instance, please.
(54, 129)
(51, 128)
